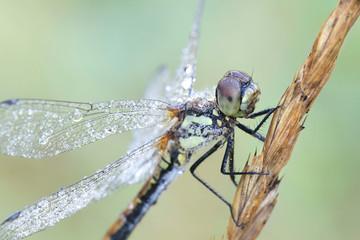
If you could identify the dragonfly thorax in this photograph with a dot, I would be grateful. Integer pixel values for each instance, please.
(201, 125)
(237, 94)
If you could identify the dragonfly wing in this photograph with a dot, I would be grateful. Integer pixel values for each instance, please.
(129, 169)
(154, 90)
(180, 89)
(41, 128)
(157, 84)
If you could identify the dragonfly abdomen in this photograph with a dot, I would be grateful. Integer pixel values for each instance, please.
(172, 161)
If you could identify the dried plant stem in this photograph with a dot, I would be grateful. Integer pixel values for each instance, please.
(256, 195)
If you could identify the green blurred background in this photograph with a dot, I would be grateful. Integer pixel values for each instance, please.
(103, 50)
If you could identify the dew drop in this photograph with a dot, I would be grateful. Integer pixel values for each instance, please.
(186, 83)
(49, 132)
(111, 104)
(114, 128)
(77, 117)
(10, 148)
(91, 131)
(43, 140)
(189, 69)
(30, 112)
(108, 130)
(101, 106)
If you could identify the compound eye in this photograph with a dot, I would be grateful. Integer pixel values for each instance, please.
(237, 94)
(250, 98)
(236, 74)
(228, 95)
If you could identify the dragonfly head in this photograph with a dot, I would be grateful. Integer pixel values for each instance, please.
(237, 94)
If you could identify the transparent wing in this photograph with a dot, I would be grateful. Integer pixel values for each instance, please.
(129, 169)
(157, 84)
(154, 90)
(41, 128)
(180, 88)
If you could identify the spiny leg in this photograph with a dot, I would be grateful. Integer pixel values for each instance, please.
(230, 149)
(229, 153)
(253, 132)
(197, 163)
(262, 112)
(229, 157)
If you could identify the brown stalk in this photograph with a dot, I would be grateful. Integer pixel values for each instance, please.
(256, 194)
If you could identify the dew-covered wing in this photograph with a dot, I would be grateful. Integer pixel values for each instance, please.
(156, 88)
(179, 90)
(131, 168)
(42, 128)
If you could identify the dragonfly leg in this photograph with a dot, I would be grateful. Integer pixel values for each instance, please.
(197, 163)
(262, 112)
(253, 132)
(229, 159)
(229, 154)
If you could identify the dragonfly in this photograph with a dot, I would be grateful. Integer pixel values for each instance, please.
(174, 127)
